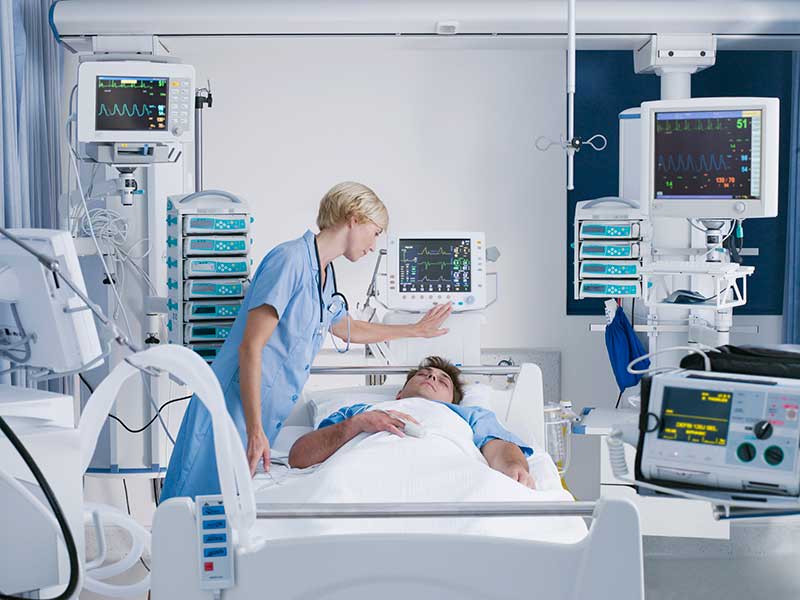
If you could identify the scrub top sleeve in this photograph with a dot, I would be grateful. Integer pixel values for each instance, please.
(343, 414)
(486, 427)
(339, 315)
(277, 280)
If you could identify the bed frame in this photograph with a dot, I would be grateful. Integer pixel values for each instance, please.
(607, 563)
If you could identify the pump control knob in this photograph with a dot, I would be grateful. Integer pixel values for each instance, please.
(177, 131)
(762, 430)
(739, 207)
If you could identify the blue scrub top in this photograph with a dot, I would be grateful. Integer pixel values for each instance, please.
(484, 424)
(287, 279)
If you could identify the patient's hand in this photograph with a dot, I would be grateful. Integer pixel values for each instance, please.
(519, 474)
(509, 460)
(373, 421)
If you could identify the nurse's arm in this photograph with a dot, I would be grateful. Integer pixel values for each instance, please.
(261, 323)
(364, 332)
(317, 446)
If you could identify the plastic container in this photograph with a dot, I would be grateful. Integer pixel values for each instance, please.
(558, 420)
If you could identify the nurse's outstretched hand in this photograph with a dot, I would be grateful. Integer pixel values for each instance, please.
(431, 324)
(257, 448)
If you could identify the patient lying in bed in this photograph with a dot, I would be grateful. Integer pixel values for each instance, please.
(360, 453)
(436, 381)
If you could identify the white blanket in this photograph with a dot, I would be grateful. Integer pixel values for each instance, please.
(442, 466)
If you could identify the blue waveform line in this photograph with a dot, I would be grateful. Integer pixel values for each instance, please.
(689, 163)
(125, 111)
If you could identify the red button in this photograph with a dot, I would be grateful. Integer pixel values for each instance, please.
(209, 566)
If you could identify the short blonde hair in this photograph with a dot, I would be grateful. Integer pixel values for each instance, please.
(350, 199)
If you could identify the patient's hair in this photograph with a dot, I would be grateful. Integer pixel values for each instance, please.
(350, 199)
(437, 362)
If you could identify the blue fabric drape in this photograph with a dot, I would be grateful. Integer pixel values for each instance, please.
(623, 346)
(30, 109)
(791, 293)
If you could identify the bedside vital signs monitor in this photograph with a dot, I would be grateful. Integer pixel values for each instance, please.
(427, 268)
(712, 158)
(135, 101)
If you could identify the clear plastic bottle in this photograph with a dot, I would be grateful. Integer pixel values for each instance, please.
(558, 420)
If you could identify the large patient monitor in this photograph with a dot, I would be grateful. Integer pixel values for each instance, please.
(427, 268)
(135, 101)
(714, 158)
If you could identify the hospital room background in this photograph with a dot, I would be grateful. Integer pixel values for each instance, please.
(445, 136)
(444, 131)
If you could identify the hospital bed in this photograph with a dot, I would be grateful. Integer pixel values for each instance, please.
(396, 549)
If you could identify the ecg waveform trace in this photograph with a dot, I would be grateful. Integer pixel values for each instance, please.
(131, 104)
(701, 157)
(435, 265)
(688, 163)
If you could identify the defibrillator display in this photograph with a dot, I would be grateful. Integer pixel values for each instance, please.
(695, 415)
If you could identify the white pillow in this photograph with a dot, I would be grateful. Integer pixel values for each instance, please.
(323, 403)
(477, 394)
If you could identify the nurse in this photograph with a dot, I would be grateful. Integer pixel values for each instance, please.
(288, 309)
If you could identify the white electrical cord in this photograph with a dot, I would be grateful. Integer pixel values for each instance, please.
(690, 349)
(74, 161)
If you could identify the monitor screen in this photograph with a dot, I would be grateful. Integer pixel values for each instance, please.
(435, 265)
(695, 415)
(131, 103)
(708, 154)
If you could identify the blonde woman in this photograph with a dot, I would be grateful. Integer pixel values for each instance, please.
(288, 309)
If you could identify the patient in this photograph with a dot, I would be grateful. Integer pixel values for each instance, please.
(437, 380)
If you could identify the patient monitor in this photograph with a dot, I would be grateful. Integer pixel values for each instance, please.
(711, 158)
(427, 268)
(133, 112)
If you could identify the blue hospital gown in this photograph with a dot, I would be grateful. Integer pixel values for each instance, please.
(484, 424)
(287, 279)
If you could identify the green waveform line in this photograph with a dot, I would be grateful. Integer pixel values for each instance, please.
(125, 111)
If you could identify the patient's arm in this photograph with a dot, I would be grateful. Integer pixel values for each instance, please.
(317, 446)
(508, 459)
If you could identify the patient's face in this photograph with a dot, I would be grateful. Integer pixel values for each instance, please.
(429, 383)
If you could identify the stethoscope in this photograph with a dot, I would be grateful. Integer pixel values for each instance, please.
(332, 307)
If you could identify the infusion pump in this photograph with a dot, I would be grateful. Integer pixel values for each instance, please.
(722, 431)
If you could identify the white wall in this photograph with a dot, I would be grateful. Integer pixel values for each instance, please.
(445, 137)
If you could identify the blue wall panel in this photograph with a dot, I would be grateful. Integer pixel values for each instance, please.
(607, 85)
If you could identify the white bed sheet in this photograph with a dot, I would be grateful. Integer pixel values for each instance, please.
(443, 466)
